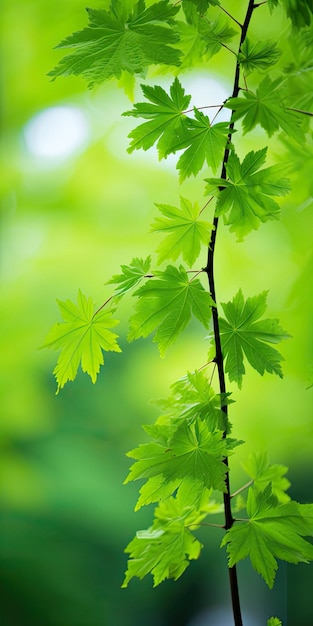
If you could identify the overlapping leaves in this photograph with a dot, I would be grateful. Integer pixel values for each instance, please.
(192, 399)
(203, 142)
(184, 452)
(117, 40)
(245, 198)
(193, 396)
(81, 337)
(265, 107)
(165, 304)
(171, 130)
(200, 39)
(165, 549)
(167, 122)
(273, 531)
(263, 472)
(244, 334)
(185, 232)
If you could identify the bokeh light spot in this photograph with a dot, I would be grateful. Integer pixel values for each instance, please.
(57, 132)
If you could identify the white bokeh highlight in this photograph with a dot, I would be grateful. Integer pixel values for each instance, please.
(56, 133)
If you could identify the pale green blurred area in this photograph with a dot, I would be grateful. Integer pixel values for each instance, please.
(68, 223)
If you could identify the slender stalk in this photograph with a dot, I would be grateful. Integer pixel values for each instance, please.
(229, 520)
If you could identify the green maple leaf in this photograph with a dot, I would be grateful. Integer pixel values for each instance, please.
(185, 231)
(116, 41)
(262, 473)
(265, 107)
(204, 143)
(244, 334)
(189, 453)
(166, 124)
(193, 397)
(299, 11)
(165, 304)
(200, 39)
(156, 489)
(259, 55)
(273, 531)
(244, 199)
(81, 337)
(131, 275)
(200, 5)
(165, 549)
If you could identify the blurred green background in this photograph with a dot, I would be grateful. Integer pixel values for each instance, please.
(74, 206)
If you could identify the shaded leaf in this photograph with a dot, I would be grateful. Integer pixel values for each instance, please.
(244, 199)
(193, 397)
(200, 39)
(259, 55)
(265, 107)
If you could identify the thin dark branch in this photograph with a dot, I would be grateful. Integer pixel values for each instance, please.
(229, 520)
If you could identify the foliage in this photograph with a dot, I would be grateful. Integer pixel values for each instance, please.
(243, 333)
(81, 337)
(272, 531)
(244, 198)
(188, 456)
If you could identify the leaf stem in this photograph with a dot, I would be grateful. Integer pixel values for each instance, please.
(231, 16)
(236, 493)
(229, 49)
(229, 520)
(299, 111)
(208, 106)
(102, 306)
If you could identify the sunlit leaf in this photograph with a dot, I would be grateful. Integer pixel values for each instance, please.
(244, 334)
(258, 467)
(184, 231)
(165, 549)
(81, 337)
(131, 276)
(165, 304)
(117, 41)
(166, 124)
(273, 531)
